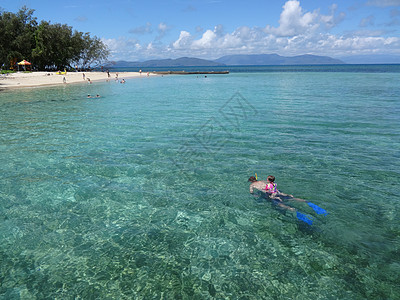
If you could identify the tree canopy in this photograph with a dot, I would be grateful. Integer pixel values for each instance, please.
(46, 45)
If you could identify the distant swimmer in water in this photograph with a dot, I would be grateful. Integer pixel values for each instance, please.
(89, 96)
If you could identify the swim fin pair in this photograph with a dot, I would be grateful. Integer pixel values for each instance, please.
(308, 219)
(304, 218)
(317, 209)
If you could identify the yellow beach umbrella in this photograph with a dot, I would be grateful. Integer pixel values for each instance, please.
(24, 63)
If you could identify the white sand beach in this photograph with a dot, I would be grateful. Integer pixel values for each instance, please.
(36, 79)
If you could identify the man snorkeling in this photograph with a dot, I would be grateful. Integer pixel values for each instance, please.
(269, 187)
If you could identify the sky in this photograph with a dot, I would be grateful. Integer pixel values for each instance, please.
(157, 29)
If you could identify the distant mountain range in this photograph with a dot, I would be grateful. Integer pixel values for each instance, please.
(180, 62)
(231, 60)
(275, 59)
(372, 59)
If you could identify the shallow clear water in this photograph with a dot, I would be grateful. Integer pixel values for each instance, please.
(143, 193)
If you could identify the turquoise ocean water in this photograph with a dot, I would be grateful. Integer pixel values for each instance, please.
(143, 193)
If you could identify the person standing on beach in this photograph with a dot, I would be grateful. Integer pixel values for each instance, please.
(83, 75)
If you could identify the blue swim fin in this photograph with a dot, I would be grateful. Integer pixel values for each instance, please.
(317, 209)
(304, 218)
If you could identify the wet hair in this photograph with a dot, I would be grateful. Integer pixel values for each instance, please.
(252, 179)
(271, 178)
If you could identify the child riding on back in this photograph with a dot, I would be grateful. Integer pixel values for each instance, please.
(270, 188)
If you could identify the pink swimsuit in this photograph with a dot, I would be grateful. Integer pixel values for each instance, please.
(271, 188)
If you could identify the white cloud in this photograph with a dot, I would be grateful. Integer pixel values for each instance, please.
(299, 32)
(206, 41)
(294, 21)
(184, 40)
(331, 20)
(162, 30)
(370, 20)
(125, 49)
(142, 29)
(383, 3)
(81, 19)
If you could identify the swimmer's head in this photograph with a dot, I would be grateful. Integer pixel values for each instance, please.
(252, 179)
(271, 178)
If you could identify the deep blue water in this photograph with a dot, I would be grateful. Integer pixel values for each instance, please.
(346, 68)
(143, 193)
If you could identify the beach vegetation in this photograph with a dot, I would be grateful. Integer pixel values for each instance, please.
(16, 35)
(46, 45)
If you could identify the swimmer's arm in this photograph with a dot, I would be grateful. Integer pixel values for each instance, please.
(251, 189)
(254, 189)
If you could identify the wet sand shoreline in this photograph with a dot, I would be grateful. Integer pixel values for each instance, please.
(41, 79)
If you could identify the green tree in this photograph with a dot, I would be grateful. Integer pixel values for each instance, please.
(54, 47)
(46, 45)
(16, 35)
(58, 46)
(94, 51)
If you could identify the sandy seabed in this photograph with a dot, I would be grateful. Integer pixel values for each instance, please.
(36, 79)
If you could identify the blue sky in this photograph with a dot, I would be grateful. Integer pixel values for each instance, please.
(140, 30)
